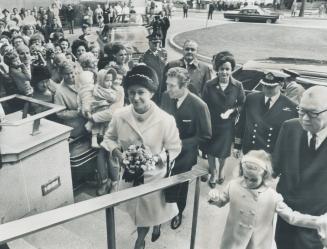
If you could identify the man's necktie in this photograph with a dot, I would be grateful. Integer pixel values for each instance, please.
(312, 144)
(175, 104)
(267, 104)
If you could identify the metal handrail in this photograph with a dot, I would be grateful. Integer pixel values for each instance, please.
(25, 226)
(53, 108)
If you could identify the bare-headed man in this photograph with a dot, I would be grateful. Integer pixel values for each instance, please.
(299, 159)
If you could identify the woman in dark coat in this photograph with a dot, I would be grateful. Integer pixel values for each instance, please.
(224, 96)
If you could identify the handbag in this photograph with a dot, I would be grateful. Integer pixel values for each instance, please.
(171, 193)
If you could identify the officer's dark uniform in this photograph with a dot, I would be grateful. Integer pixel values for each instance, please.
(258, 127)
(156, 60)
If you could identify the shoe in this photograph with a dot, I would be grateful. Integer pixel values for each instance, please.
(104, 188)
(221, 180)
(176, 221)
(204, 178)
(212, 184)
(156, 235)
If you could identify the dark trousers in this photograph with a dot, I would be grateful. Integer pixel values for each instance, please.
(210, 15)
(71, 27)
(181, 190)
(182, 196)
(163, 41)
(185, 13)
(4, 246)
(292, 237)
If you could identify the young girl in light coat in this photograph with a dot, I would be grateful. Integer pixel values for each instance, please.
(253, 205)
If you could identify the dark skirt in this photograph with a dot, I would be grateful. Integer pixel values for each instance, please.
(221, 142)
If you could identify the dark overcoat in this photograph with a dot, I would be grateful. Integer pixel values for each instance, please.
(157, 62)
(257, 128)
(193, 123)
(220, 101)
(303, 188)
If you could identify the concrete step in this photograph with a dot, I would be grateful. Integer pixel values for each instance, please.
(20, 244)
(94, 227)
(58, 237)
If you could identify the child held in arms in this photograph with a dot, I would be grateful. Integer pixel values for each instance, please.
(19, 73)
(108, 96)
(253, 204)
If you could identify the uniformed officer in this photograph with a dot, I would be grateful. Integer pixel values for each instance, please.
(156, 58)
(262, 115)
(292, 89)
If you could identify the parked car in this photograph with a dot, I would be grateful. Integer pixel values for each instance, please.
(252, 14)
(131, 30)
(312, 72)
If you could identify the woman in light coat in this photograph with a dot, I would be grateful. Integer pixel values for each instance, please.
(66, 95)
(143, 122)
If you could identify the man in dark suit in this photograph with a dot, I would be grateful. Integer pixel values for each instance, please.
(299, 159)
(199, 72)
(193, 122)
(262, 115)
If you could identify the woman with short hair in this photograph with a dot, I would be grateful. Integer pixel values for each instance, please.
(224, 96)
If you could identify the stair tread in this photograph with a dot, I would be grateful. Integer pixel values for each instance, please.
(20, 244)
(58, 237)
(94, 226)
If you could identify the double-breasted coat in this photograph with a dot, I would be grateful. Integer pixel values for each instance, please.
(257, 128)
(159, 132)
(303, 187)
(249, 223)
(219, 101)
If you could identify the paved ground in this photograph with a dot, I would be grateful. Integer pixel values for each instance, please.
(292, 37)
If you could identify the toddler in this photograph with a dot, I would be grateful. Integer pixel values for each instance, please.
(86, 82)
(19, 73)
(253, 205)
(108, 95)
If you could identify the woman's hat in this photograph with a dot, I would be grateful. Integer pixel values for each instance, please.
(39, 73)
(144, 76)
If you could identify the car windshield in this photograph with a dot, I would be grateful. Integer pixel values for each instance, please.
(130, 18)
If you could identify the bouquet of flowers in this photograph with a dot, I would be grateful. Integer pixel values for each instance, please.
(137, 159)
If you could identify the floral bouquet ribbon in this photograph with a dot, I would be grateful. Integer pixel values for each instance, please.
(137, 159)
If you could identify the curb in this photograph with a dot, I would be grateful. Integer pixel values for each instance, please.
(175, 46)
(307, 17)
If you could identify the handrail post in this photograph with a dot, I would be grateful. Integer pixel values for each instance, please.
(110, 222)
(195, 212)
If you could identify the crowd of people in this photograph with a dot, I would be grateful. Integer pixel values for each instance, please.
(173, 109)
